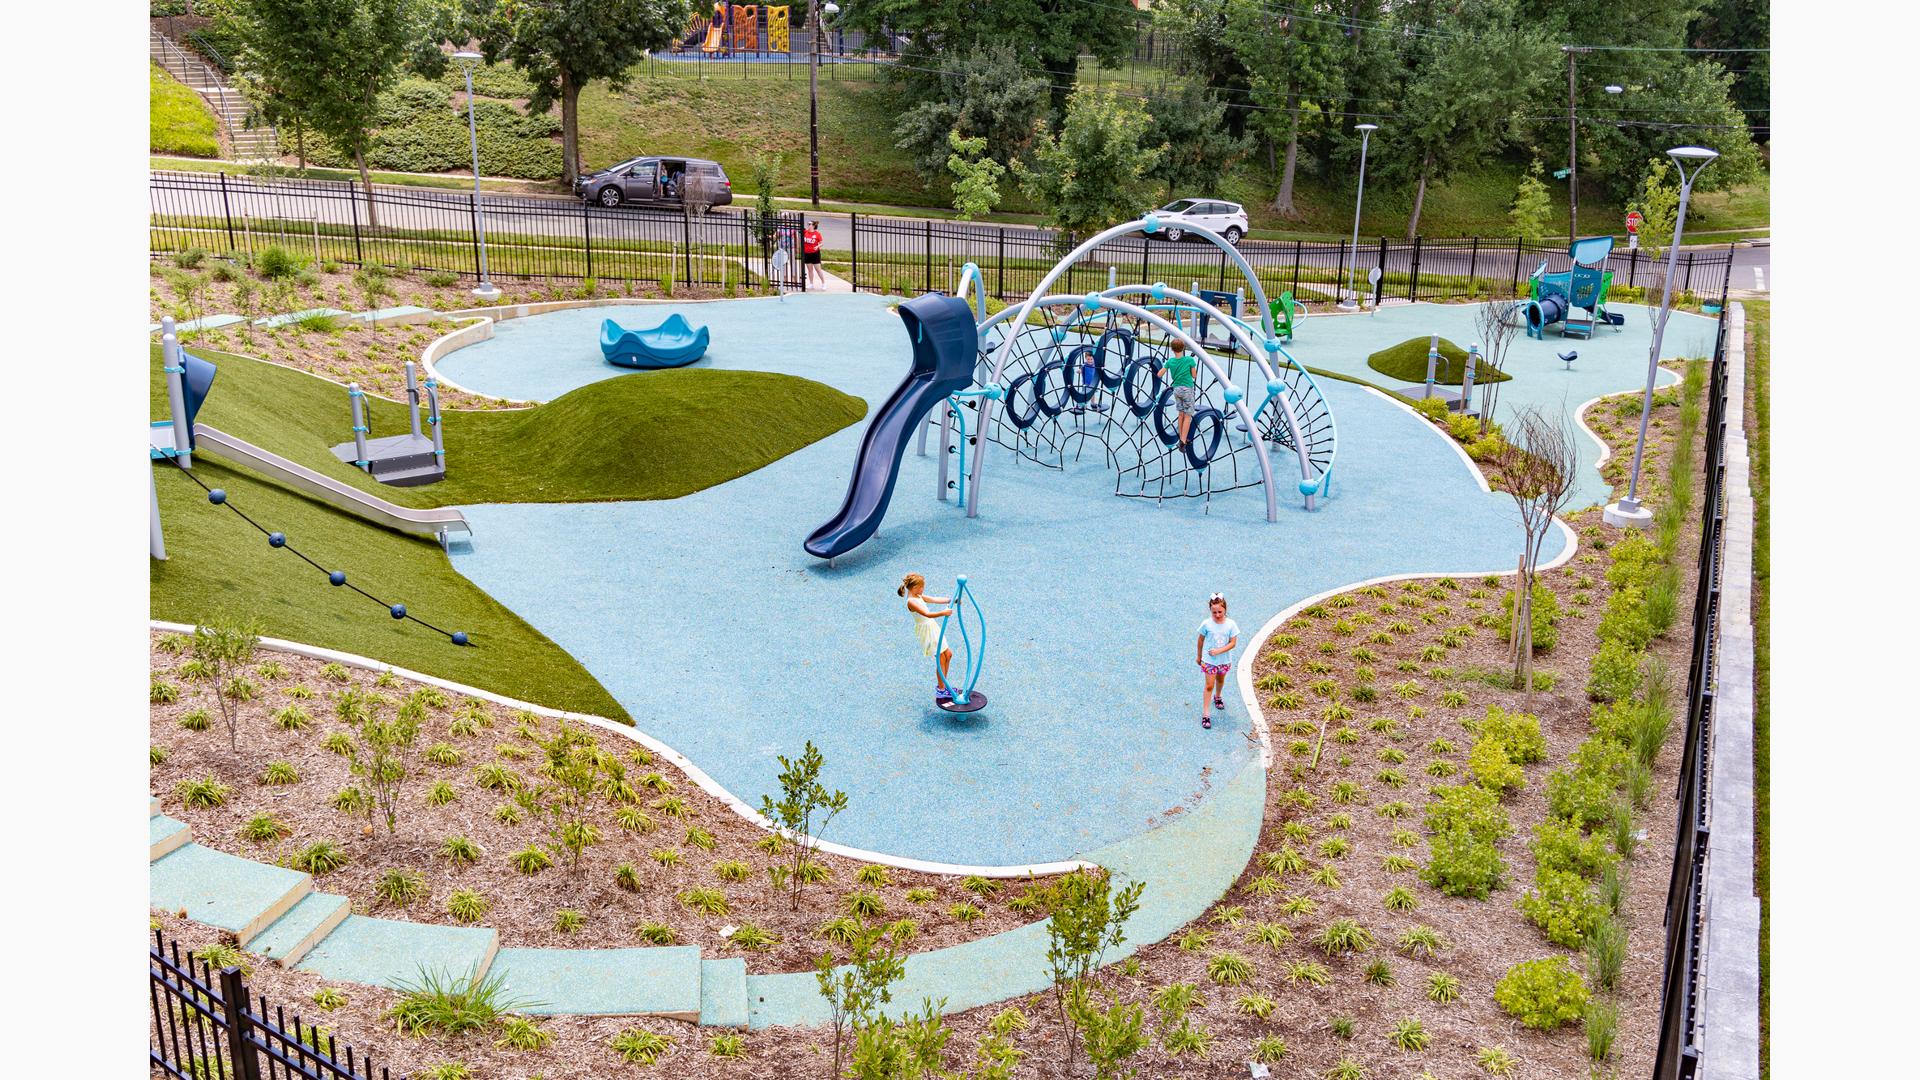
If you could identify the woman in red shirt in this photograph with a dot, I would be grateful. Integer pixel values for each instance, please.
(810, 255)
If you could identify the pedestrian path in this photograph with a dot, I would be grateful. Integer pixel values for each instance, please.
(1186, 864)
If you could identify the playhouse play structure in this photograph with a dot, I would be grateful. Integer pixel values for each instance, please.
(674, 343)
(735, 30)
(407, 460)
(1575, 298)
(1063, 376)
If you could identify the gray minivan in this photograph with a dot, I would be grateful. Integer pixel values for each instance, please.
(656, 181)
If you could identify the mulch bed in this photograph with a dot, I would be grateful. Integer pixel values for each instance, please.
(523, 906)
(373, 356)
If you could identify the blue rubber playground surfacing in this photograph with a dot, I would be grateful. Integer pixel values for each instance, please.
(705, 618)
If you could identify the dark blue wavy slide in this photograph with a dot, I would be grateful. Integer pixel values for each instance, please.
(945, 346)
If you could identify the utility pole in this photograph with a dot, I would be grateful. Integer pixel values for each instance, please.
(1573, 147)
(813, 100)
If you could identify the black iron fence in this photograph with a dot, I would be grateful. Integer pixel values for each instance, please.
(207, 1025)
(897, 255)
(1678, 1054)
(335, 221)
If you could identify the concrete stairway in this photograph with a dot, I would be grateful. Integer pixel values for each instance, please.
(246, 143)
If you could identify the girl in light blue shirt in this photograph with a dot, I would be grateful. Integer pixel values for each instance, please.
(1213, 651)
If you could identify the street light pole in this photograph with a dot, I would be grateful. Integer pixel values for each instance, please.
(813, 100)
(485, 290)
(1353, 298)
(1628, 513)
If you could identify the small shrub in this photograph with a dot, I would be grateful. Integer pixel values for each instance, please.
(656, 933)
(531, 859)
(1542, 994)
(156, 755)
(706, 901)
(1258, 1006)
(1408, 1034)
(1342, 936)
(400, 887)
(1400, 899)
(1308, 972)
(1442, 987)
(292, 718)
(520, 1033)
(1615, 672)
(964, 911)
(205, 793)
(329, 998)
(1602, 1022)
(1497, 1061)
(262, 828)
(1379, 973)
(753, 938)
(196, 720)
(338, 742)
(567, 920)
(468, 906)
(320, 857)
(460, 851)
(638, 1047)
(1606, 947)
(1229, 969)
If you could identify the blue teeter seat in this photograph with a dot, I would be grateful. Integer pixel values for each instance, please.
(673, 343)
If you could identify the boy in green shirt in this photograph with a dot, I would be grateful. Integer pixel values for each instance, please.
(1179, 370)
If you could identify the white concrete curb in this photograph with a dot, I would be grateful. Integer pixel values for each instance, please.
(693, 772)
(1730, 960)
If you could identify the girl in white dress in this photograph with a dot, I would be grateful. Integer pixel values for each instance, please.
(926, 627)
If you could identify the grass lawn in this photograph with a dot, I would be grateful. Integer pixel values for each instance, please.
(623, 438)
(178, 121)
(1407, 362)
(1760, 455)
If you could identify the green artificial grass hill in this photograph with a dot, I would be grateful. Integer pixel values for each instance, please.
(1407, 363)
(657, 435)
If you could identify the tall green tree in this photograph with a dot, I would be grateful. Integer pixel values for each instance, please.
(1296, 60)
(324, 63)
(1190, 123)
(1726, 25)
(1094, 172)
(991, 94)
(1048, 35)
(1200, 29)
(563, 45)
(1469, 69)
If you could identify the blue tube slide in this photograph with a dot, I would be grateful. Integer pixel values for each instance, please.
(945, 347)
(1544, 312)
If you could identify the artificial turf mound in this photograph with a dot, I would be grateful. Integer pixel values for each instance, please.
(1407, 362)
(659, 435)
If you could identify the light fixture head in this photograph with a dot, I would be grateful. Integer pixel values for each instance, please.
(1615, 88)
(1366, 127)
(1685, 154)
(830, 8)
(466, 57)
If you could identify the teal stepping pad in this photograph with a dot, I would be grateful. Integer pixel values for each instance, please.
(316, 913)
(386, 952)
(223, 891)
(162, 829)
(662, 981)
(723, 993)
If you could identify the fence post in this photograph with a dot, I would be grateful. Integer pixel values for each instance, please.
(1473, 264)
(1296, 268)
(1413, 277)
(853, 225)
(1340, 274)
(1146, 244)
(359, 257)
(686, 241)
(1518, 247)
(233, 1002)
(1001, 260)
(226, 208)
(927, 257)
(1688, 287)
(1633, 266)
(586, 232)
(473, 230)
(1380, 289)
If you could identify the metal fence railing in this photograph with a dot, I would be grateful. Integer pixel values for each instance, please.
(335, 221)
(206, 1025)
(898, 255)
(1678, 1054)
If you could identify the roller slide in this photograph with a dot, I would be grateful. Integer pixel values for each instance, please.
(712, 44)
(441, 524)
(944, 351)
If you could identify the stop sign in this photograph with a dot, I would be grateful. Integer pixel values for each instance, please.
(1633, 221)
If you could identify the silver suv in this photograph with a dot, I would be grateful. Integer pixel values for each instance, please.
(657, 181)
(1229, 219)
